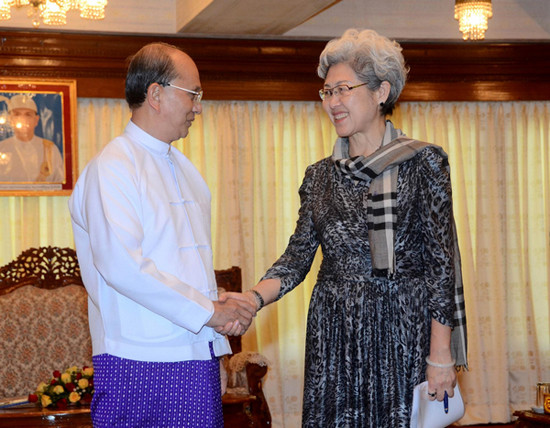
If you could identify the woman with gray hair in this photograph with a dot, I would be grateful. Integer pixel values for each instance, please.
(387, 311)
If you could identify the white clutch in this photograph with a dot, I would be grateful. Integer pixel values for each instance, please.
(431, 414)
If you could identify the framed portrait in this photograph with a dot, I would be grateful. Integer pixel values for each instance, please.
(38, 149)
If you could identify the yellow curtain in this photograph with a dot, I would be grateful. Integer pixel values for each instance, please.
(253, 156)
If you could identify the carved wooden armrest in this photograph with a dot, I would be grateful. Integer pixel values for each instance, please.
(253, 364)
(245, 373)
(254, 375)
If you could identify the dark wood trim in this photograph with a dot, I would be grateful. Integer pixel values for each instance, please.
(256, 69)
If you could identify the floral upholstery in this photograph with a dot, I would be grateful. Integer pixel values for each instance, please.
(41, 331)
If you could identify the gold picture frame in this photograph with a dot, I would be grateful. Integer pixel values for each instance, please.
(38, 147)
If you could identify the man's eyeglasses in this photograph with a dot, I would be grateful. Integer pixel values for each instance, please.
(197, 95)
(340, 90)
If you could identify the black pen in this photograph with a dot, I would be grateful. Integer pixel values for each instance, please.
(446, 402)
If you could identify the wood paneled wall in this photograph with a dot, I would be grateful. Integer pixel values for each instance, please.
(255, 69)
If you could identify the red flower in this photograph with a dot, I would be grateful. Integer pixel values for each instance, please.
(62, 404)
(72, 387)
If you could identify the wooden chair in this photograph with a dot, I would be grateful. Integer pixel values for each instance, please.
(244, 403)
(44, 327)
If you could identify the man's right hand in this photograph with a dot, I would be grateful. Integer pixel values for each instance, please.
(232, 316)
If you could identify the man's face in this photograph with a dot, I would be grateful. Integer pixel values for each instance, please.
(181, 110)
(23, 122)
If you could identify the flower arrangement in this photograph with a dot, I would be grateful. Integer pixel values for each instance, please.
(72, 387)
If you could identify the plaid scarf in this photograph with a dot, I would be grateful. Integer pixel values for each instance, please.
(381, 205)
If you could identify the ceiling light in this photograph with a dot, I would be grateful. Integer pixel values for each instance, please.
(54, 12)
(472, 18)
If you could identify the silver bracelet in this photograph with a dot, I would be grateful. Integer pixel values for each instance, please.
(439, 365)
(259, 299)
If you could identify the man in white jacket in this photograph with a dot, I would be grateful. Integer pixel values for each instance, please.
(141, 219)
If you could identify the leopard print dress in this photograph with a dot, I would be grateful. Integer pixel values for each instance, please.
(367, 337)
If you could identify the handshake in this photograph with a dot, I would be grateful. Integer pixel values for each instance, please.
(234, 312)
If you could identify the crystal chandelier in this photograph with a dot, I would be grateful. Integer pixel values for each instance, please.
(472, 17)
(54, 12)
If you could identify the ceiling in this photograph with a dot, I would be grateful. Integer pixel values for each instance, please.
(513, 20)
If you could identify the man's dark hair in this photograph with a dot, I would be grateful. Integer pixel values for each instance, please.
(151, 64)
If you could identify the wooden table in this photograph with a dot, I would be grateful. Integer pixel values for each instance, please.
(237, 413)
(32, 415)
(529, 419)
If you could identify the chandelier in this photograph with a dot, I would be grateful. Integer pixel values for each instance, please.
(472, 17)
(54, 12)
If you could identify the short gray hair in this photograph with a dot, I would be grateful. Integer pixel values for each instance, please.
(373, 57)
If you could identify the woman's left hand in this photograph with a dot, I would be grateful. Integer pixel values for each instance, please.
(440, 373)
(439, 381)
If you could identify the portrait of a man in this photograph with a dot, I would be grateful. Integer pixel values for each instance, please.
(26, 152)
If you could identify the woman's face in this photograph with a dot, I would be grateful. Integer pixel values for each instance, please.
(356, 111)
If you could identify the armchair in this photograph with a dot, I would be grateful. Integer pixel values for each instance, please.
(44, 322)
